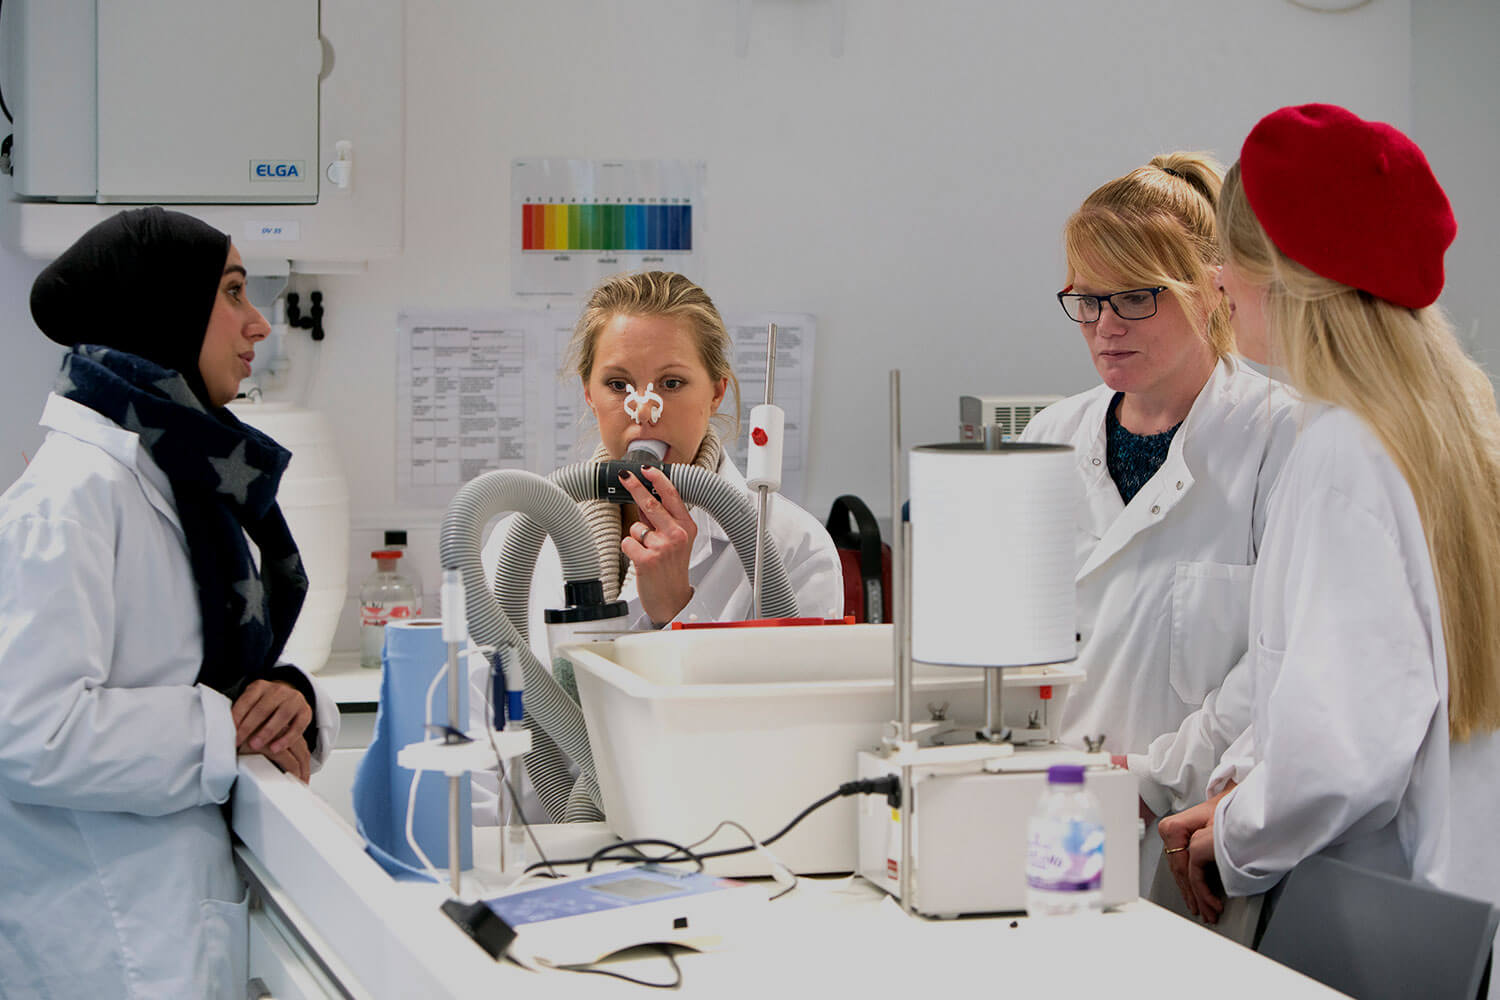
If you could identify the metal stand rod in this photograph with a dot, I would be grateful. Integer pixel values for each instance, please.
(898, 561)
(762, 502)
(994, 697)
(907, 878)
(761, 505)
(901, 608)
(453, 782)
(994, 687)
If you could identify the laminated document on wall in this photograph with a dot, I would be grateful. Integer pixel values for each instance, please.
(478, 390)
(575, 222)
(483, 389)
(796, 334)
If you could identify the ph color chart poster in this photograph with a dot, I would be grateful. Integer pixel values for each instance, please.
(575, 222)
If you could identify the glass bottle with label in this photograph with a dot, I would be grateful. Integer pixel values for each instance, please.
(387, 594)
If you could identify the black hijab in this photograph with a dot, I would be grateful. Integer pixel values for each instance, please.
(142, 281)
(132, 298)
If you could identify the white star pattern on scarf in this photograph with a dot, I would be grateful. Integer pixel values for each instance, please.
(254, 595)
(177, 390)
(148, 435)
(235, 474)
(292, 566)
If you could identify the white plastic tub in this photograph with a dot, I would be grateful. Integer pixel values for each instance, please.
(693, 727)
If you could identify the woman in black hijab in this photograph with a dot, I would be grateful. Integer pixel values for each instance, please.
(139, 639)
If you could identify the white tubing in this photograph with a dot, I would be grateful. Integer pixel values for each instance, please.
(556, 719)
(726, 503)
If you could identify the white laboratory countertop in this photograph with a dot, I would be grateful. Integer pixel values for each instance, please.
(383, 938)
(348, 682)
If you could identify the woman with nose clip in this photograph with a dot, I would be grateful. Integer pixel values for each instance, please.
(139, 639)
(1177, 449)
(652, 354)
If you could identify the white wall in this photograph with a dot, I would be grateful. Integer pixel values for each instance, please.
(31, 362)
(909, 192)
(1456, 119)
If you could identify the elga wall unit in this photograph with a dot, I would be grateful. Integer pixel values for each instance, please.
(234, 112)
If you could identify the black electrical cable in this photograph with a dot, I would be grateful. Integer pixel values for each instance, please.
(603, 853)
(2, 93)
(666, 953)
(887, 786)
(795, 882)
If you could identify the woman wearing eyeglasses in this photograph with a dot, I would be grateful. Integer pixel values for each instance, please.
(1178, 449)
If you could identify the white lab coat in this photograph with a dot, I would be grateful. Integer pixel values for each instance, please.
(118, 880)
(1164, 583)
(1348, 754)
(721, 592)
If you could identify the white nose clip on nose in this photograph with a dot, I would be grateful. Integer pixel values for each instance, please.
(635, 402)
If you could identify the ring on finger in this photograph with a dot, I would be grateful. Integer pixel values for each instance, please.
(640, 536)
(1173, 850)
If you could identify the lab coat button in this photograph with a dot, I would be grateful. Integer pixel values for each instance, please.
(1156, 509)
(1179, 484)
(1096, 461)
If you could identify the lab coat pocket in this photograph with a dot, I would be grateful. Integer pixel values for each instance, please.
(1210, 625)
(223, 959)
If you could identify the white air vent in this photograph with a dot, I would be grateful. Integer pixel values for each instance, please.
(1010, 414)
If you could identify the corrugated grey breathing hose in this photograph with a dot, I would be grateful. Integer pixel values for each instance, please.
(548, 706)
(726, 503)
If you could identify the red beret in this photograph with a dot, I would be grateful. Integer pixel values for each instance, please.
(1352, 200)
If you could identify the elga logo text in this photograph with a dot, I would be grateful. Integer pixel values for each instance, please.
(278, 170)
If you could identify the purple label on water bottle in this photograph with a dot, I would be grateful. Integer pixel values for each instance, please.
(1065, 856)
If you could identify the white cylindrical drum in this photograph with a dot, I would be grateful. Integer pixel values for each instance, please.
(992, 553)
(314, 499)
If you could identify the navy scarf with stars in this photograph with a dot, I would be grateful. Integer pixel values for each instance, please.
(224, 477)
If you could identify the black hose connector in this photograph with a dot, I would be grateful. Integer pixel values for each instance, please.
(610, 487)
(583, 592)
(312, 321)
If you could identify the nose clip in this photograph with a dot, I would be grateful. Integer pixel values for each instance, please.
(636, 401)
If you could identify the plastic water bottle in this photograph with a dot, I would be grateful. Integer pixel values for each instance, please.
(1064, 847)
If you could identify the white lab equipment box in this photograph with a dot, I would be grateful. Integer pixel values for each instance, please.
(278, 121)
(177, 100)
(970, 839)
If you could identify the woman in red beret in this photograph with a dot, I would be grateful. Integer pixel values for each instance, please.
(1375, 609)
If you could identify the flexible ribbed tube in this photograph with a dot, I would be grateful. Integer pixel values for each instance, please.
(549, 708)
(726, 503)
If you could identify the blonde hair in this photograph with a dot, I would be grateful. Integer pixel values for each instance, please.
(1403, 372)
(1155, 226)
(656, 293)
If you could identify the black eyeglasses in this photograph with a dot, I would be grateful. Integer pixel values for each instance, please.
(1133, 303)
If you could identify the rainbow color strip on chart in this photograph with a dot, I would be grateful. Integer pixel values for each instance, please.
(566, 228)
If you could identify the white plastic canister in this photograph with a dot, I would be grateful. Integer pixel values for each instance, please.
(992, 554)
(314, 498)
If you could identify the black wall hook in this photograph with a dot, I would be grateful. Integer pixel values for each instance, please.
(312, 321)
